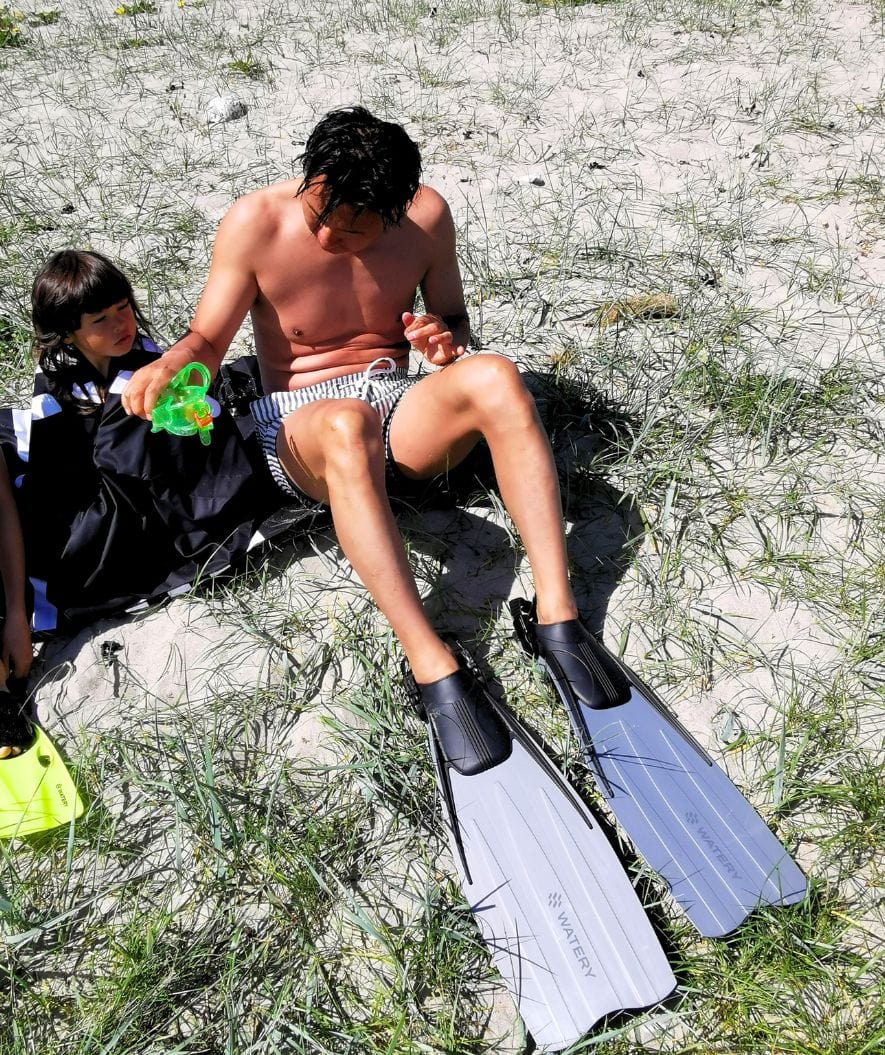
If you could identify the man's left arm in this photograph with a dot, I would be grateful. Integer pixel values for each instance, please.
(442, 332)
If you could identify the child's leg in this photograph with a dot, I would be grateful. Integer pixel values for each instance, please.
(439, 420)
(333, 451)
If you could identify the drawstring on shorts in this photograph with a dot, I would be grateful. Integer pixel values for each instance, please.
(375, 372)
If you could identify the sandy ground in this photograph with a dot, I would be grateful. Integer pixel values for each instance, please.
(577, 125)
(732, 158)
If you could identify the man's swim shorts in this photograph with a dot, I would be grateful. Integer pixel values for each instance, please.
(382, 384)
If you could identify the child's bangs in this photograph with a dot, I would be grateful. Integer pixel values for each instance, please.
(99, 288)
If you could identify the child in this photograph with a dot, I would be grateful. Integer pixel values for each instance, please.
(329, 267)
(84, 317)
(78, 499)
(112, 513)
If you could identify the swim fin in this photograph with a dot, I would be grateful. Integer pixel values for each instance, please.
(679, 809)
(36, 790)
(552, 900)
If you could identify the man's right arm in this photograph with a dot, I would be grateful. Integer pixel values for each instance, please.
(230, 291)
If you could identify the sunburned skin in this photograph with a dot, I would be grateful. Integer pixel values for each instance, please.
(329, 297)
(322, 308)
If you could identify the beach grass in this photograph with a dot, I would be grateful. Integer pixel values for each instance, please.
(672, 215)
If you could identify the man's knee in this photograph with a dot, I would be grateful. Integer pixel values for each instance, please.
(496, 388)
(349, 432)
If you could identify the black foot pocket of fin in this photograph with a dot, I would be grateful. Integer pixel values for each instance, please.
(582, 670)
(471, 735)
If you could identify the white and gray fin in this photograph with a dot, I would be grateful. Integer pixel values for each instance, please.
(552, 900)
(680, 810)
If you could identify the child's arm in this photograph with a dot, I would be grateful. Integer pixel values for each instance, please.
(15, 649)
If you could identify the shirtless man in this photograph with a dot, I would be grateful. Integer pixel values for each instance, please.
(328, 267)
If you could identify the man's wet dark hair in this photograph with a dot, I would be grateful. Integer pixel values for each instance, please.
(366, 163)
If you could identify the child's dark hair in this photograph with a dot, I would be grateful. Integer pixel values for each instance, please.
(369, 164)
(71, 284)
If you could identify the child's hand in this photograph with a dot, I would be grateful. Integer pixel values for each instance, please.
(429, 335)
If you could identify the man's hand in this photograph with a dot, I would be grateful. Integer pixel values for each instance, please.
(146, 385)
(432, 338)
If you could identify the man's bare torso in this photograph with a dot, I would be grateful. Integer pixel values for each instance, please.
(319, 314)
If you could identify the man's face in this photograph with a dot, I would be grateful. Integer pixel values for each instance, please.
(343, 231)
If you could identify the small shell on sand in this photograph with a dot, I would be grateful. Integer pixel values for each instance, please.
(225, 108)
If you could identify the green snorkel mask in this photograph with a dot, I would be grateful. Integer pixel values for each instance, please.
(183, 409)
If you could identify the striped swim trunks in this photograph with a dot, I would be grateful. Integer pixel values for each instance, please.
(382, 384)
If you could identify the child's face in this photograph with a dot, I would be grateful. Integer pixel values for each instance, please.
(105, 335)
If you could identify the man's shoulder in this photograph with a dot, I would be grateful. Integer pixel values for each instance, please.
(260, 211)
(429, 208)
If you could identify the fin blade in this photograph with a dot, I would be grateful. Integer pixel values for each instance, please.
(563, 922)
(686, 818)
(36, 791)
(680, 810)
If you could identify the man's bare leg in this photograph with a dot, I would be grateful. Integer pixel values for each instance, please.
(438, 421)
(333, 451)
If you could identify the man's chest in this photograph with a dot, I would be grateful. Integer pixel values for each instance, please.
(321, 298)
